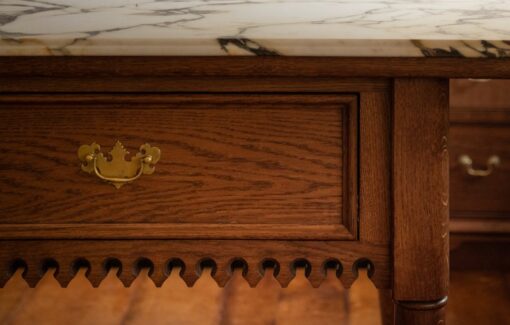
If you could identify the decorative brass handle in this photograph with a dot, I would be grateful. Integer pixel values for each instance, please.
(467, 162)
(115, 169)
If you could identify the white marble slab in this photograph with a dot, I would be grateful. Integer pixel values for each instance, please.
(368, 28)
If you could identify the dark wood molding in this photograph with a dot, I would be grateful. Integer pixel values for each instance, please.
(169, 231)
(131, 255)
(203, 67)
(423, 305)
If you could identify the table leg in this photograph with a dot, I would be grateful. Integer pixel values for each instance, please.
(420, 313)
(420, 200)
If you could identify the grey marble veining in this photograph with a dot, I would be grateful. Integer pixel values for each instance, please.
(368, 28)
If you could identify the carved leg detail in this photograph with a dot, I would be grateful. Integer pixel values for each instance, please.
(420, 312)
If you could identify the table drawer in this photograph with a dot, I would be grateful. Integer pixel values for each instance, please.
(483, 195)
(231, 165)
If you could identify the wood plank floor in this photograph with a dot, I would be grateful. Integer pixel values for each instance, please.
(475, 298)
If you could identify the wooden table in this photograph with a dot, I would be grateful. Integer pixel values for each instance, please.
(322, 151)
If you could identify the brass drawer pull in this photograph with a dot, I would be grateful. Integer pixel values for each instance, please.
(467, 162)
(117, 171)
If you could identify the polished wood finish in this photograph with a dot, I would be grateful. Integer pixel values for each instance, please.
(420, 195)
(420, 313)
(382, 203)
(480, 196)
(484, 96)
(184, 84)
(175, 304)
(480, 120)
(480, 225)
(369, 220)
(480, 102)
(420, 176)
(161, 256)
(375, 164)
(233, 166)
(227, 66)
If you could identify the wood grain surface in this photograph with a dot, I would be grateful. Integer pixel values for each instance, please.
(480, 95)
(420, 192)
(175, 304)
(193, 84)
(479, 128)
(433, 316)
(237, 303)
(321, 105)
(294, 67)
(251, 159)
(480, 196)
(375, 168)
(162, 256)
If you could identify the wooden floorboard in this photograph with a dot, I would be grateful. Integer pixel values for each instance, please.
(475, 298)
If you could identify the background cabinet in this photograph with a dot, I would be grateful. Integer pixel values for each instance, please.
(480, 204)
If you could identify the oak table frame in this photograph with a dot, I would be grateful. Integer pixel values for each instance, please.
(402, 160)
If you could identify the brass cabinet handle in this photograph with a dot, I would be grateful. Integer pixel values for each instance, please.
(467, 162)
(117, 171)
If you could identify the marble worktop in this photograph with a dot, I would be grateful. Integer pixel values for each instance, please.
(366, 28)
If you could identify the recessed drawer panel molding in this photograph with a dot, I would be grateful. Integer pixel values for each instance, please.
(233, 165)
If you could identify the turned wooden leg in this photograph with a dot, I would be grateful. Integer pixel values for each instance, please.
(420, 313)
(387, 307)
(405, 312)
(420, 200)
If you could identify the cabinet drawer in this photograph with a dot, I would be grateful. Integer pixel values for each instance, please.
(231, 166)
(477, 196)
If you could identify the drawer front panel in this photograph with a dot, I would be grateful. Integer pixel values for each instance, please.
(480, 196)
(250, 165)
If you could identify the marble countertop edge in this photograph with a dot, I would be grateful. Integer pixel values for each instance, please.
(231, 46)
(343, 28)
